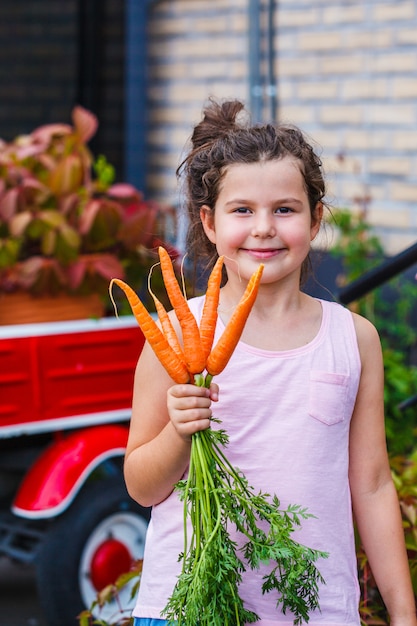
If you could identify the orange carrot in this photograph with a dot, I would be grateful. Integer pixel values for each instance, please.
(175, 367)
(165, 321)
(193, 350)
(167, 328)
(211, 303)
(221, 353)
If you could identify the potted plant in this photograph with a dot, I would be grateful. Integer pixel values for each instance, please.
(65, 228)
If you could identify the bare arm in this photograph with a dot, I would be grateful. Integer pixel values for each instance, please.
(374, 496)
(164, 416)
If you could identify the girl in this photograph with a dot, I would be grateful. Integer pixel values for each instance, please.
(301, 398)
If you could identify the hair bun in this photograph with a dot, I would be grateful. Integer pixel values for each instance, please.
(219, 119)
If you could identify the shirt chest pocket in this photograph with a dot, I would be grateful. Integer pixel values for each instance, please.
(328, 396)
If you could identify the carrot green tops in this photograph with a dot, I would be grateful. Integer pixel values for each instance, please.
(287, 415)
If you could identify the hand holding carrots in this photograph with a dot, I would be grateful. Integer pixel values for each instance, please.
(189, 408)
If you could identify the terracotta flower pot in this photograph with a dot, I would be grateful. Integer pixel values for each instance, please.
(23, 308)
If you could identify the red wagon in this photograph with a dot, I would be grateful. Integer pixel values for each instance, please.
(65, 397)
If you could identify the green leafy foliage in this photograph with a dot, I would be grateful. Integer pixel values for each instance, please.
(390, 309)
(400, 384)
(215, 495)
(105, 173)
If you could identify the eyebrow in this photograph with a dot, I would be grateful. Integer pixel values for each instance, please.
(280, 201)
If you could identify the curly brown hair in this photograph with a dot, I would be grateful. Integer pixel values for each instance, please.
(223, 137)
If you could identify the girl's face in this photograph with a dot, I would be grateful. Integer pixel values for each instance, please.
(262, 214)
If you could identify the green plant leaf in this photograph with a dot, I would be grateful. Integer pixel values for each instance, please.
(48, 243)
(51, 218)
(9, 252)
(70, 236)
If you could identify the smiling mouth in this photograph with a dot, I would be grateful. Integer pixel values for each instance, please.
(263, 253)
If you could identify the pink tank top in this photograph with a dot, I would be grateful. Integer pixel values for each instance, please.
(287, 415)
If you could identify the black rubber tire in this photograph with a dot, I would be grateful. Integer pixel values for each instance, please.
(58, 560)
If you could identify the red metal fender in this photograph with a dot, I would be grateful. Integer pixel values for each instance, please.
(57, 475)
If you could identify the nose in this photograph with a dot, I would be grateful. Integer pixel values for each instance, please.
(264, 225)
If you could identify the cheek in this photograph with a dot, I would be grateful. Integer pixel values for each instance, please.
(297, 236)
(230, 234)
(236, 237)
(227, 244)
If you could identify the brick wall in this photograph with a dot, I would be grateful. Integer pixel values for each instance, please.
(346, 72)
(196, 49)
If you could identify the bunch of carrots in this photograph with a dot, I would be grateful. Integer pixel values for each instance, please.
(215, 493)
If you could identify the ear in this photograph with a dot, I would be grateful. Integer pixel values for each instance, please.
(316, 220)
(207, 220)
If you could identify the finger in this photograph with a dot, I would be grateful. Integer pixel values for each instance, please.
(214, 392)
(202, 422)
(179, 391)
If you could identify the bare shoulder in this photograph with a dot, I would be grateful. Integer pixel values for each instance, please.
(366, 333)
